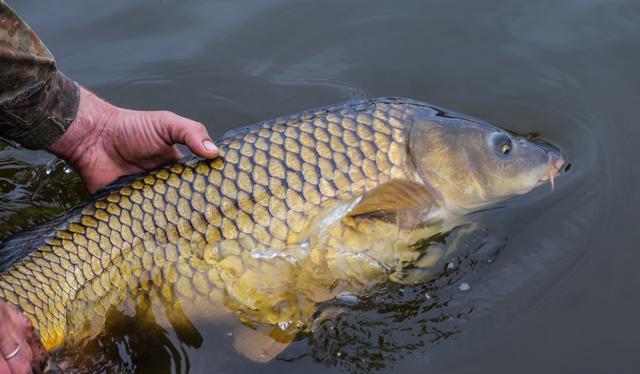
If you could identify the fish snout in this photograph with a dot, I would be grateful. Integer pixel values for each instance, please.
(555, 165)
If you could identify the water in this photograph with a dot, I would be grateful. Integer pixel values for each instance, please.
(553, 284)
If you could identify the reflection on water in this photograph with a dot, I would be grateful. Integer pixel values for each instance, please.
(311, 71)
(572, 24)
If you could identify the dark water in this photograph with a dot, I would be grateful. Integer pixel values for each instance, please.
(558, 289)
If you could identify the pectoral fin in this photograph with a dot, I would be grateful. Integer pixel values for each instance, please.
(259, 346)
(394, 196)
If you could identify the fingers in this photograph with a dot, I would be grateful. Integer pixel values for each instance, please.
(15, 352)
(4, 367)
(194, 135)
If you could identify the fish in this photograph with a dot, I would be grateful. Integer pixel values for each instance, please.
(296, 211)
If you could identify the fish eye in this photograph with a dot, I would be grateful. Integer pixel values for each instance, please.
(502, 144)
(505, 149)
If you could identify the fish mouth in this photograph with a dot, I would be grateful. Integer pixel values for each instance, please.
(554, 166)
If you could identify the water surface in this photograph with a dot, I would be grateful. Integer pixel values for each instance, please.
(557, 289)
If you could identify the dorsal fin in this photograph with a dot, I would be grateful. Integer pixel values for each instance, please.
(393, 196)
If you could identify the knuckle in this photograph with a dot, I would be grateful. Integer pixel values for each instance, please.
(163, 116)
(201, 127)
(165, 113)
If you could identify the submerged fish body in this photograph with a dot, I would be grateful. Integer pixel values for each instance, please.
(297, 211)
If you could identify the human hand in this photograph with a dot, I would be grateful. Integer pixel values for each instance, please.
(105, 142)
(20, 347)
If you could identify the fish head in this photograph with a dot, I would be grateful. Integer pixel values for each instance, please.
(470, 164)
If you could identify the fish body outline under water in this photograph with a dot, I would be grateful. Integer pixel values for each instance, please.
(296, 211)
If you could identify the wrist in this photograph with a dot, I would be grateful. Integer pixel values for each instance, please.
(84, 132)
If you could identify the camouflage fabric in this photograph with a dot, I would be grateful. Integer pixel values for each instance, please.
(37, 102)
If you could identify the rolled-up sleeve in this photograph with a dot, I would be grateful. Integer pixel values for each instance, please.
(37, 102)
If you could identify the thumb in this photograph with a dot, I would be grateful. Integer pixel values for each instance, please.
(194, 135)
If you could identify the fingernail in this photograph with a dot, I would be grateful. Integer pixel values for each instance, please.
(208, 144)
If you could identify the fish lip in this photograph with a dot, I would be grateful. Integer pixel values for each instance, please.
(556, 164)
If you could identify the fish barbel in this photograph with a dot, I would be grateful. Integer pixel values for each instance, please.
(297, 210)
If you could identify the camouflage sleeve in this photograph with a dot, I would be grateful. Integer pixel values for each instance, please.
(37, 102)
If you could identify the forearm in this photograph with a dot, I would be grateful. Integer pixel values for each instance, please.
(40, 108)
(37, 102)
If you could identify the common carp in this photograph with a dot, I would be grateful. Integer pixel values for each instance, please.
(297, 211)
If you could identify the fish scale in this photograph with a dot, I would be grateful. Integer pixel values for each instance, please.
(187, 231)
